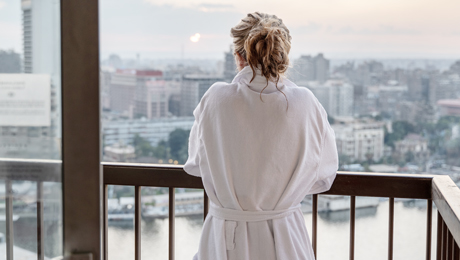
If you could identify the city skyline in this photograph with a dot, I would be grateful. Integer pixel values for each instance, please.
(341, 29)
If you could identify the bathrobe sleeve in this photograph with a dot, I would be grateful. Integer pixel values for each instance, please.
(192, 166)
(328, 162)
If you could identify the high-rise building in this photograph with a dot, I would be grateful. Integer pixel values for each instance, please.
(133, 91)
(335, 96)
(229, 66)
(192, 90)
(321, 66)
(41, 38)
(10, 62)
(308, 68)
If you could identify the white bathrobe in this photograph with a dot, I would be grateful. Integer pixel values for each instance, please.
(258, 159)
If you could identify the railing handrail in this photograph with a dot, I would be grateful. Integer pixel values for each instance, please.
(446, 197)
(414, 186)
(31, 170)
(437, 188)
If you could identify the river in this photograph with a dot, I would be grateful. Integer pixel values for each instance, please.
(371, 241)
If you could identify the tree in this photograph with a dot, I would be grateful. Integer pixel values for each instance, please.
(369, 157)
(161, 150)
(142, 146)
(409, 156)
(400, 130)
(178, 144)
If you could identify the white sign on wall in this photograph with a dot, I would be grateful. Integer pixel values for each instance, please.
(25, 100)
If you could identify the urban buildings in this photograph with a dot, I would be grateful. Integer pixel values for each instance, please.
(154, 130)
(336, 96)
(137, 93)
(22, 135)
(413, 148)
(360, 141)
(10, 62)
(449, 107)
(308, 68)
(384, 99)
(229, 66)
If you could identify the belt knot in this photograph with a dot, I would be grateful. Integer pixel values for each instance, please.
(231, 216)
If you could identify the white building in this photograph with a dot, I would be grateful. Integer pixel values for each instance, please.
(336, 96)
(41, 52)
(42, 45)
(415, 144)
(119, 153)
(360, 141)
(154, 130)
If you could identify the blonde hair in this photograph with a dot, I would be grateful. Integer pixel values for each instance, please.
(264, 42)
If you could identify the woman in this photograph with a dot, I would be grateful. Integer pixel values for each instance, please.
(260, 145)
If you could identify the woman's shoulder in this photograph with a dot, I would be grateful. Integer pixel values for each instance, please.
(220, 90)
(301, 93)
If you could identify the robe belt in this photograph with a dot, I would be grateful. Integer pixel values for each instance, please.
(231, 216)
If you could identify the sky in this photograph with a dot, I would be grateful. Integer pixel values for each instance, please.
(426, 29)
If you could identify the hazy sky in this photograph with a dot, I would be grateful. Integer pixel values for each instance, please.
(338, 28)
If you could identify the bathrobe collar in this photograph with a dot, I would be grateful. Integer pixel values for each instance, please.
(259, 82)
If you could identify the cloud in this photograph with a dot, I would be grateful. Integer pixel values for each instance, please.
(2, 4)
(381, 30)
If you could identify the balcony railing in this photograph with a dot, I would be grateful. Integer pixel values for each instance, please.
(439, 189)
(38, 171)
(433, 188)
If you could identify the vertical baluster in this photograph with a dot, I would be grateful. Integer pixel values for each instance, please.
(439, 238)
(137, 222)
(105, 197)
(314, 222)
(352, 226)
(40, 222)
(205, 204)
(450, 248)
(456, 252)
(429, 213)
(391, 229)
(172, 205)
(444, 241)
(9, 219)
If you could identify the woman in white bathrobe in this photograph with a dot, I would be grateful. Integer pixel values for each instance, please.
(260, 145)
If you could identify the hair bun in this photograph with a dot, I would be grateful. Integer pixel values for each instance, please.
(267, 46)
(264, 42)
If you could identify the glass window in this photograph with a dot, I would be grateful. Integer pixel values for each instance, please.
(30, 126)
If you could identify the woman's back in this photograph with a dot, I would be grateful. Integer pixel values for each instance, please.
(260, 145)
(261, 156)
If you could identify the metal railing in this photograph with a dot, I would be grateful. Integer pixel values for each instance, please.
(439, 189)
(38, 171)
